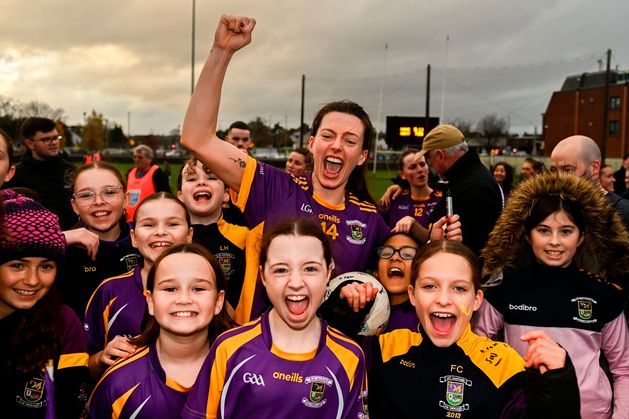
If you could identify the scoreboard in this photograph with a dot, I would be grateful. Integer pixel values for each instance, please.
(408, 131)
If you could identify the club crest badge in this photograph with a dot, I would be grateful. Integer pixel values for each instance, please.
(454, 393)
(316, 393)
(225, 261)
(455, 390)
(584, 309)
(34, 390)
(357, 232)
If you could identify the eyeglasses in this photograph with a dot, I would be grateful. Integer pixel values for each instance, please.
(48, 140)
(405, 252)
(86, 198)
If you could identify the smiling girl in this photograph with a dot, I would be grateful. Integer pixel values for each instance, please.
(115, 310)
(43, 353)
(288, 363)
(185, 293)
(445, 370)
(553, 254)
(98, 199)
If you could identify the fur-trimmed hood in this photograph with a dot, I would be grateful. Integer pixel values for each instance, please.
(605, 248)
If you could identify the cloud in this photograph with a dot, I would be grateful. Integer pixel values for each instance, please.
(504, 57)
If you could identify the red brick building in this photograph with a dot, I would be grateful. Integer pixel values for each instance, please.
(579, 108)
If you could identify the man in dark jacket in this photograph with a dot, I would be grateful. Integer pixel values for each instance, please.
(476, 196)
(44, 170)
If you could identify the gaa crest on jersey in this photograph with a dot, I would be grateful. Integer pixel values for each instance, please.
(34, 390)
(454, 393)
(455, 390)
(357, 232)
(585, 309)
(131, 262)
(225, 260)
(316, 390)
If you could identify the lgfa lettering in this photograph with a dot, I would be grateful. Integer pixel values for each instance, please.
(293, 377)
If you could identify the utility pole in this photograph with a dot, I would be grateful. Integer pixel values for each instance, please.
(606, 107)
(301, 125)
(194, 7)
(427, 118)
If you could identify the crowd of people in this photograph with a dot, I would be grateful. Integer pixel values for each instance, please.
(118, 299)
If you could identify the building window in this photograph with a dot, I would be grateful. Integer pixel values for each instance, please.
(614, 128)
(614, 102)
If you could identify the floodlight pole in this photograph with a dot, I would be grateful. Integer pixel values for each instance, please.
(378, 123)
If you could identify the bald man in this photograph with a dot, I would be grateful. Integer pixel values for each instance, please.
(580, 156)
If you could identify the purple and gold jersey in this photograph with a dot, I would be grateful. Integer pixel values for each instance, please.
(418, 207)
(268, 196)
(115, 309)
(58, 390)
(245, 375)
(137, 387)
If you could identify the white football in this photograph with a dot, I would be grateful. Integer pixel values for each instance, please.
(376, 320)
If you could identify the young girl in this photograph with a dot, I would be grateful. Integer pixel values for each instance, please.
(43, 353)
(185, 293)
(410, 211)
(98, 199)
(445, 370)
(346, 308)
(288, 363)
(555, 248)
(115, 310)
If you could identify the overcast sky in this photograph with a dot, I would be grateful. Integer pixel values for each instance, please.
(121, 56)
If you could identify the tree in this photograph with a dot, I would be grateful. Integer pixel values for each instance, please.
(116, 137)
(260, 133)
(463, 125)
(93, 132)
(491, 127)
(44, 110)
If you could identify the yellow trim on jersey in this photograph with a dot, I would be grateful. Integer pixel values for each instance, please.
(246, 182)
(347, 358)
(119, 364)
(176, 386)
(326, 204)
(124, 275)
(306, 356)
(419, 198)
(362, 205)
(106, 319)
(242, 312)
(234, 233)
(224, 352)
(497, 360)
(78, 359)
(118, 405)
(398, 342)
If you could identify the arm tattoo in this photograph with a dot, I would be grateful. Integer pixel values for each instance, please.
(240, 161)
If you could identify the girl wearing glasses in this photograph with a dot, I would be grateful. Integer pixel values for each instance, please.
(114, 312)
(98, 199)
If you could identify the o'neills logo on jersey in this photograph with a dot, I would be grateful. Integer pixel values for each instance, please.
(522, 307)
(358, 236)
(455, 389)
(585, 310)
(317, 384)
(293, 377)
